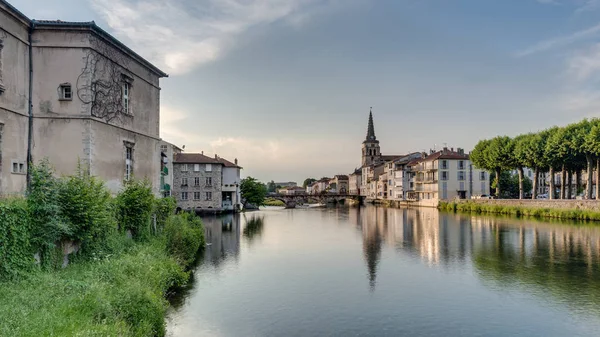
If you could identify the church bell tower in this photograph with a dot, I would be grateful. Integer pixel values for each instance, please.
(370, 146)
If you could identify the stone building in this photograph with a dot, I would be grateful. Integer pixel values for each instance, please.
(167, 153)
(354, 182)
(338, 184)
(205, 184)
(87, 98)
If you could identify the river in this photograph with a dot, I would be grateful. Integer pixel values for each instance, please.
(375, 271)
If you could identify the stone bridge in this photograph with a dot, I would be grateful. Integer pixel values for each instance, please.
(292, 200)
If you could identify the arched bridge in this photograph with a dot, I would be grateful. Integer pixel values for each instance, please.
(294, 199)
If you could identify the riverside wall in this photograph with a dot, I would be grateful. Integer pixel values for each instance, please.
(571, 204)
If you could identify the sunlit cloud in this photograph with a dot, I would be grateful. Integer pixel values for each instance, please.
(204, 30)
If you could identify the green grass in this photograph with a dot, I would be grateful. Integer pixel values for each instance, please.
(274, 202)
(121, 295)
(566, 214)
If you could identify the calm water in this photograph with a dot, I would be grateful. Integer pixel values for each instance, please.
(391, 272)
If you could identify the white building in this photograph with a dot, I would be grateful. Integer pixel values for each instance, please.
(446, 175)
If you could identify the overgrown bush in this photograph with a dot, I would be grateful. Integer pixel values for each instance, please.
(16, 253)
(134, 208)
(184, 235)
(86, 206)
(48, 225)
(164, 208)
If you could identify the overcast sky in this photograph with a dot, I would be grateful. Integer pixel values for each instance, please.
(286, 85)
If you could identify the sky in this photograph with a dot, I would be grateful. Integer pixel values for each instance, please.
(286, 86)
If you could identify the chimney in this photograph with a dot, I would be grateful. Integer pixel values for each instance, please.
(235, 161)
(445, 150)
(451, 149)
(216, 157)
(202, 152)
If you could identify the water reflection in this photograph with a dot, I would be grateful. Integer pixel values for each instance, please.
(254, 227)
(222, 238)
(556, 259)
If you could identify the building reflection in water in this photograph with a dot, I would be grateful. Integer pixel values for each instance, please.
(222, 238)
(561, 259)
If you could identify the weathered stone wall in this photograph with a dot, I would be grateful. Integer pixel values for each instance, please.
(190, 174)
(591, 205)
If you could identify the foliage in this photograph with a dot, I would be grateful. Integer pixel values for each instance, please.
(121, 296)
(87, 208)
(273, 202)
(184, 235)
(164, 208)
(134, 207)
(493, 208)
(308, 181)
(271, 187)
(16, 253)
(46, 220)
(253, 192)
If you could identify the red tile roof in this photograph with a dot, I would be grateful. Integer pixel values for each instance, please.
(198, 158)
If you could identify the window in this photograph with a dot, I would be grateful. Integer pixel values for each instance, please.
(196, 167)
(126, 95)
(197, 181)
(461, 175)
(196, 195)
(128, 162)
(462, 186)
(208, 167)
(184, 181)
(461, 164)
(208, 195)
(529, 173)
(65, 92)
(184, 195)
(18, 167)
(208, 181)
(444, 190)
(483, 191)
(184, 167)
(481, 175)
(444, 164)
(163, 148)
(444, 175)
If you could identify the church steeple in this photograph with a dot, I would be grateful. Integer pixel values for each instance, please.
(370, 147)
(371, 129)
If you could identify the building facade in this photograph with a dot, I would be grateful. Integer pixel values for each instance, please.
(87, 99)
(205, 184)
(445, 175)
(355, 182)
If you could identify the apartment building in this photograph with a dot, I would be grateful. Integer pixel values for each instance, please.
(445, 175)
(206, 184)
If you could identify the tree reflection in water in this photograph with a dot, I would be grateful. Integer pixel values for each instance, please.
(254, 227)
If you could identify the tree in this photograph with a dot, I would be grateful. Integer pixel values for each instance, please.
(556, 153)
(494, 155)
(521, 145)
(308, 181)
(253, 192)
(512, 184)
(534, 157)
(592, 141)
(271, 188)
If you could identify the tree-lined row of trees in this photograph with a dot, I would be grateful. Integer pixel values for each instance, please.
(568, 150)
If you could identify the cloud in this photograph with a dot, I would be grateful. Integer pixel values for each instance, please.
(588, 6)
(179, 35)
(560, 41)
(582, 76)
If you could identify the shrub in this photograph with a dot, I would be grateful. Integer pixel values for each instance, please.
(16, 253)
(164, 208)
(184, 235)
(134, 208)
(47, 223)
(86, 205)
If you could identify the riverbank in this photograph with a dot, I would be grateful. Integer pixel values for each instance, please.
(587, 210)
(118, 296)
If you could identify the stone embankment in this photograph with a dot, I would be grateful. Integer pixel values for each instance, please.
(571, 204)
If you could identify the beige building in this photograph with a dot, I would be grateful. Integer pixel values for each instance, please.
(202, 183)
(355, 182)
(87, 98)
(338, 184)
(445, 175)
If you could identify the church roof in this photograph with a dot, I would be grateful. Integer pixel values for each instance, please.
(371, 130)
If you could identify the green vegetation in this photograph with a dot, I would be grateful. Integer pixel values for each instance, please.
(513, 184)
(253, 192)
(274, 202)
(570, 149)
(114, 286)
(121, 296)
(308, 181)
(479, 208)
